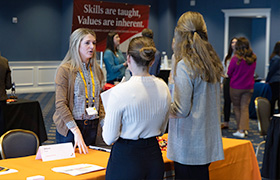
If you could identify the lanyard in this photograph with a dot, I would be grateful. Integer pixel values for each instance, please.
(85, 83)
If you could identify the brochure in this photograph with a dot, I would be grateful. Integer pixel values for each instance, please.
(4, 170)
(78, 169)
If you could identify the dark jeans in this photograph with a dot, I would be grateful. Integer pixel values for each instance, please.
(62, 139)
(227, 101)
(191, 172)
(135, 159)
(275, 89)
(88, 129)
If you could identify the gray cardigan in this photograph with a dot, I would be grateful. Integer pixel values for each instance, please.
(194, 136)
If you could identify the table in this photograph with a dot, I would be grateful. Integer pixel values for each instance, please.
(271, 158)
(260, 90)
(240, 163)
(28, 166)
(25, 114)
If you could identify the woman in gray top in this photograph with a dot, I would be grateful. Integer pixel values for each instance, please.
(194, 135)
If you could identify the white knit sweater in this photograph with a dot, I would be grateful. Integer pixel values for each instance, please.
(138, 108)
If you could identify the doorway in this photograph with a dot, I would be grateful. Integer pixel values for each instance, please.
(256, 21)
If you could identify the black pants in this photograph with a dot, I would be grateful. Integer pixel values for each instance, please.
(135, 159)
(191, 172)
(227, 100)
(2, 117)
(275, 89)
(271, 158)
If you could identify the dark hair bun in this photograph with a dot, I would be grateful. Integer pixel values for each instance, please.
(147, 53)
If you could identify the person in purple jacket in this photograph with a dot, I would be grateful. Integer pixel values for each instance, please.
(241, 73)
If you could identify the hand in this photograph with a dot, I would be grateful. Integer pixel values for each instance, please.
(125, 64)
(79, 141)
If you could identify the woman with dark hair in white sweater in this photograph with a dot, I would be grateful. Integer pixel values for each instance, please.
(137, 112)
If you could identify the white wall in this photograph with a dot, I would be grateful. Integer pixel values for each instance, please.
(38, 76)
(33, 76)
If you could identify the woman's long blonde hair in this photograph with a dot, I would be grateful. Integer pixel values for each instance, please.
(191, 45)
(73, 56)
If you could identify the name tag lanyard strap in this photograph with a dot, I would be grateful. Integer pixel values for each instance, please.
(85, 83)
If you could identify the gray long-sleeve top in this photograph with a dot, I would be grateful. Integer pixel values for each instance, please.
(194, 136)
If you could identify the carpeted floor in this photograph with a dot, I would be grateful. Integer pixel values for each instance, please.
(253, 136)
(47, 99)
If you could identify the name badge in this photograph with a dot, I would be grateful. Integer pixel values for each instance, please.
(91, 111)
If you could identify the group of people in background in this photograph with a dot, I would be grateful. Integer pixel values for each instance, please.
(238, 84)
(115, 62)
(139, 109)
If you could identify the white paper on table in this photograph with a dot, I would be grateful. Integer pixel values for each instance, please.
(77, 169)
(8, 171)
(55, 151)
